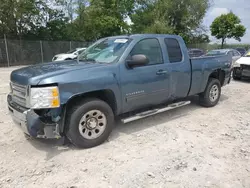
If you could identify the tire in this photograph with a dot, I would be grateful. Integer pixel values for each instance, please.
(235, 77)
(208, 99)
(85, 119)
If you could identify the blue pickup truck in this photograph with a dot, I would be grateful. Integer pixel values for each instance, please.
(131, 77)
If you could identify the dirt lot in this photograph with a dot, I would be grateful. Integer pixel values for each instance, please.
(187, 147)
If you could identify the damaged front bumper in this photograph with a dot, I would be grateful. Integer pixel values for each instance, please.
(31, 123)
(242, 71)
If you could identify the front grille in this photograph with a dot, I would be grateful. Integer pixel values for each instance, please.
(19, 94)
(246, 67)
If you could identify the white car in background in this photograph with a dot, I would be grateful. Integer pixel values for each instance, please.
(72, 54)
(242, 67)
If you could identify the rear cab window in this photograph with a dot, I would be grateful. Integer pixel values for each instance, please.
(173, 50)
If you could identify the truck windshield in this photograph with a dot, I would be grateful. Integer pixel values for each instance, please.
(105, 50)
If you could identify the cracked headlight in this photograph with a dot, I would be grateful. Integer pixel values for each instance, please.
(44, 97)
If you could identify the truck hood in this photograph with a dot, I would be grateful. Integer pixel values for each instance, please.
(32, 75)
(244, 61)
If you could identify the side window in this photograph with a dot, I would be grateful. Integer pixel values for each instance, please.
(173, 50)
(236, 53)
(231, 53)
(151, 49)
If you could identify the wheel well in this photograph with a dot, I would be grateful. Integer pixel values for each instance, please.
(218, 74)
(106, 95)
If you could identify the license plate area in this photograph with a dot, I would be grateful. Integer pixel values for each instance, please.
(19, 119)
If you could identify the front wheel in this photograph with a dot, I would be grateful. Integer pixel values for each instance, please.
(90, 123)
(236, 76)
(211, 96)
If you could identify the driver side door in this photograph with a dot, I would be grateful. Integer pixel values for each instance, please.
(148, 84)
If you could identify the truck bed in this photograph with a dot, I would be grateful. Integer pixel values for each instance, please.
(202, 68)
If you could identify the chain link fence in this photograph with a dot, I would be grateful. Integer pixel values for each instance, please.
(24, 52)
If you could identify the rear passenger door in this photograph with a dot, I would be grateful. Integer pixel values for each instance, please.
(178, 65)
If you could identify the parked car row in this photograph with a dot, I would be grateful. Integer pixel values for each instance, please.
(196, 52)
(233, 53)
(193, 53)
(240, 59)
(242, 67)
(241, 50)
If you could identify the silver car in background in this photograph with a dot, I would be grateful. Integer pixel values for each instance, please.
(234, 53)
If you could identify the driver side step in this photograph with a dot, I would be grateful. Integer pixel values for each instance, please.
(155, 111)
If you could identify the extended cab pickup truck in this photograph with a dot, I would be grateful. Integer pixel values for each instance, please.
(131, 76)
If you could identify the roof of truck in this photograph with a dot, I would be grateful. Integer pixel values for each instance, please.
(143, 35)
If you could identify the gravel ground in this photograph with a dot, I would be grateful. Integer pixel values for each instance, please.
(188, 147)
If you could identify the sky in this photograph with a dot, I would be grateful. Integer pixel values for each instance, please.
(239, 7)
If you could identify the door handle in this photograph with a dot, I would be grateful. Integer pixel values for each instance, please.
(161, 72)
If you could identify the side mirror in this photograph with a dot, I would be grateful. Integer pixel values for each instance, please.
(137, 60)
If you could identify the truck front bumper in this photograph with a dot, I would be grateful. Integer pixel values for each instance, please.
(30, 123)
(242, 71)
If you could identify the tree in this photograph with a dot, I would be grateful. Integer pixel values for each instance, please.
(32, 19)
(101, 18)
(227, 26)
(181, 17)
(18, 16)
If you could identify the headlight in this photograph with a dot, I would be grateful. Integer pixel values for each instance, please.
(236, 64)
(44, 97)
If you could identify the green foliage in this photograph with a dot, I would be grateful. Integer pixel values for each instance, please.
(227, 26)
(32, 19)
(104, 18)
(92, 19)
(171, 17)
(17, 16)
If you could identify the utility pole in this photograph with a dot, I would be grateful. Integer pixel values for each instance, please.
(6, 48)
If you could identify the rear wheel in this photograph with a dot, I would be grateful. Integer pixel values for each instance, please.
(211, 96)
(90, 123)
